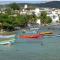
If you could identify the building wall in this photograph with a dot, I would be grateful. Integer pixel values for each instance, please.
(54, 16)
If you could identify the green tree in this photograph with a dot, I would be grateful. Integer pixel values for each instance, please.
(21, 20)
(32, 18)
(44, 18)
(48, 20)
(14, 6)
(8, 11)
(7, 22)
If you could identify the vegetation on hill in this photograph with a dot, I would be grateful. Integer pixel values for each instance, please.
(14, 6)
(8, 21)
(44, 18)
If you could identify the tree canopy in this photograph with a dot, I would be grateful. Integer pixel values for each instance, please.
(10, 22)
(14, 6)
(44, 18)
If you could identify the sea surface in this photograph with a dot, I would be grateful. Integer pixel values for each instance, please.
(47, 48)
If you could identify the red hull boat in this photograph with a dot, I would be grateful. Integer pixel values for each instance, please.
(31, 36)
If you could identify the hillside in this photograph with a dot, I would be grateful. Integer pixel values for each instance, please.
(52, 4)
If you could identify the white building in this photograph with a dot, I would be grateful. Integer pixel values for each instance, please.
(25, 6)
(22, 12)
(54, 16)
(37, 11)
(38, 21)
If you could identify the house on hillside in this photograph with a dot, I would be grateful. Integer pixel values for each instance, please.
(54, 15)
(37, 12)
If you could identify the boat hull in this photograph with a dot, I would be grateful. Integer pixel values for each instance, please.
(36, 36)
(4, 39)
(46, 33)
(7, 36)
(7, 42)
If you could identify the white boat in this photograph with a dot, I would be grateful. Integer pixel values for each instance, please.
(57, 35)
(10, 41)
(34, 28)
(31, 32)
(7, 39)
(7, 36)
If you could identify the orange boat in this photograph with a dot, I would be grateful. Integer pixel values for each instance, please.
(31, 36)
(46, 33)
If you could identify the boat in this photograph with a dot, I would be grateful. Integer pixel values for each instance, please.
(46, 33)
(31, 36)
(7, 39)
(29, 31)
(7, 36)
(57, 35)
(5, 42)
(34, 28)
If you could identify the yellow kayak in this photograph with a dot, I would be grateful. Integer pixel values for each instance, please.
(46, 33)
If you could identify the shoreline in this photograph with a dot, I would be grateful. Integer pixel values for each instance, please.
(49, 27)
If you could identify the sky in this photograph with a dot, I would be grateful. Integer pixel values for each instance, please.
(25, 1)
(29, 0)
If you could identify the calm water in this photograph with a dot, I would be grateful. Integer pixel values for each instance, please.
(48, 48)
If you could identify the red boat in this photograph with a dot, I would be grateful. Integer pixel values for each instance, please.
(31, 36)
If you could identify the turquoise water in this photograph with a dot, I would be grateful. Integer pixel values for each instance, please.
(48, 48)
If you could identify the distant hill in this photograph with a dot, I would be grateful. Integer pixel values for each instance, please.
(52, 4)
